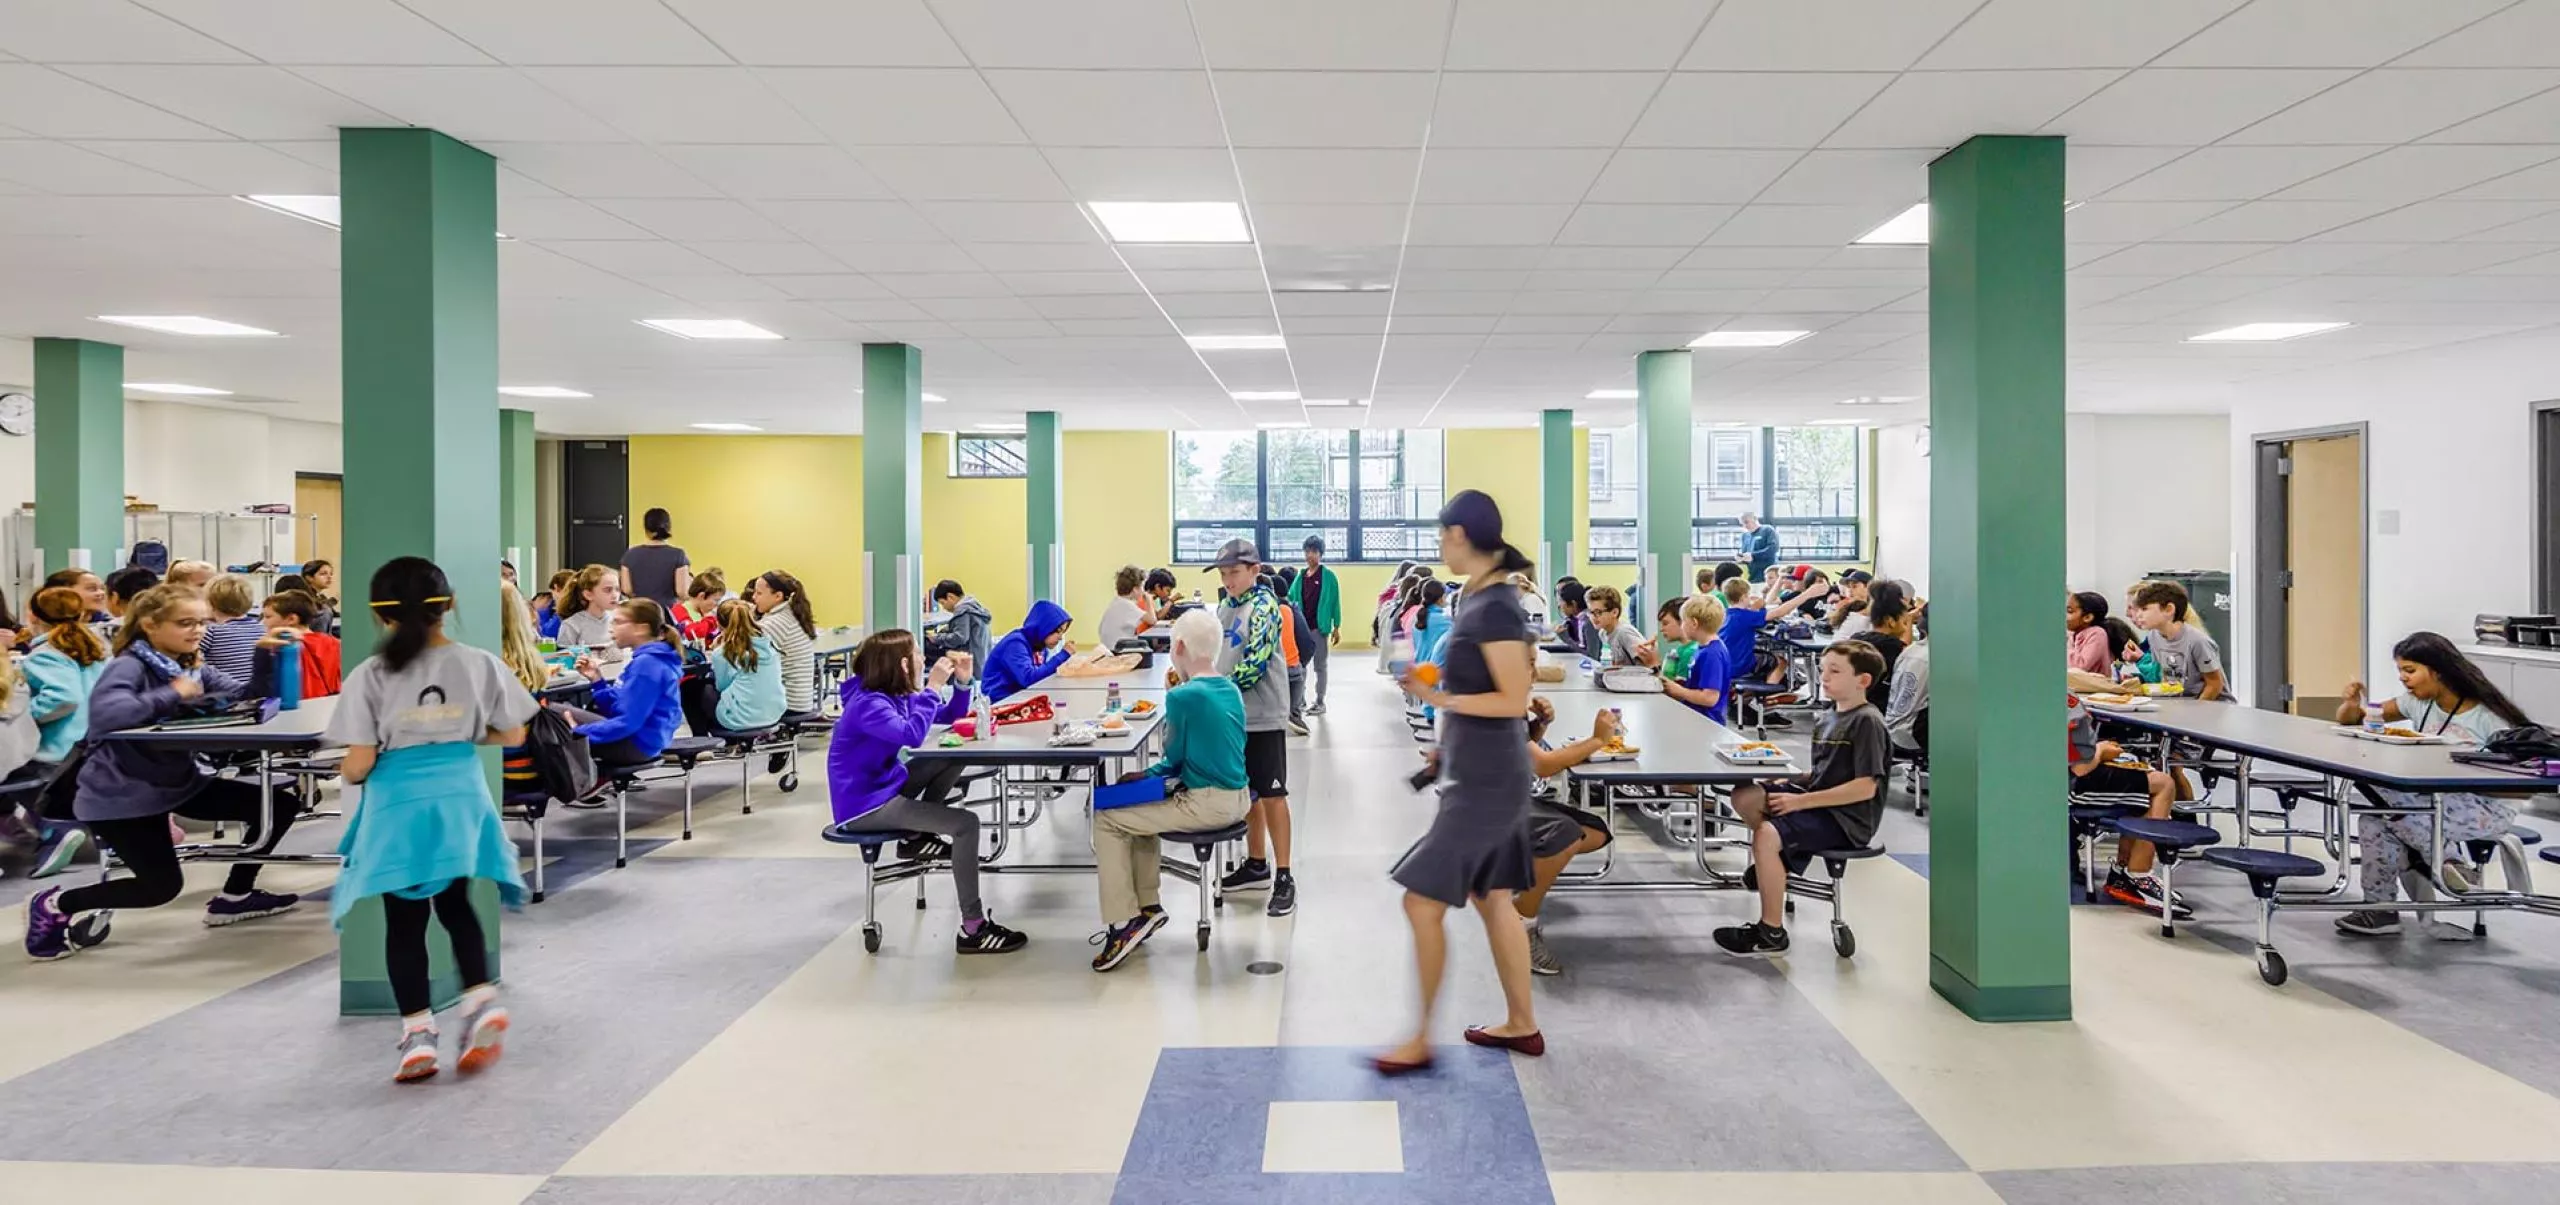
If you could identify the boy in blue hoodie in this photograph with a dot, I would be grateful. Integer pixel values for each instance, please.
(1028, 654)
(636, 715)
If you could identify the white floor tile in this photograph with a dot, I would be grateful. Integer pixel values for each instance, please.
(1333, 1136)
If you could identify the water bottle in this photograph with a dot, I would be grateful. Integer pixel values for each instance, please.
(1400, 656)
(1111, 697)
(289, 675)
(986, 718)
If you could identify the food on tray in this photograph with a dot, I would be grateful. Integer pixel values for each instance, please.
(1761, 748)
(2402, 731)
(1142, 707)
(1112, 723)
(1617, 744)
(2112, 700)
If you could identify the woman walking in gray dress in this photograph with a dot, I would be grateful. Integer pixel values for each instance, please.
(1478, 850)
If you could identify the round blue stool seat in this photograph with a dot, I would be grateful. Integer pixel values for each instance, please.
(1207, 836)
(2263, 863)
(2169, 835)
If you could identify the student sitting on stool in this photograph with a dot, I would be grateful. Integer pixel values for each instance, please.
(636, 715)
(1836, 807)
(1204, 755)
(1558, 832)
(2095, 771)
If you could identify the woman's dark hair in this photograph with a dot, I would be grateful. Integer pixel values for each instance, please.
(658, 523)
(311, 568)
(290, 581)
(2458, 674)
(2119, 634)
(132, 580)
(885, 663)
(1888, 600)
(2091, 604)
(789, 587)
(647, 613)
(411, 595)
(1160, 578)
(1433, 592)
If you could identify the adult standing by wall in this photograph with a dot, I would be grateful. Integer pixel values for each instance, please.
(1317, 594)
(657, 570)
(1759, 545)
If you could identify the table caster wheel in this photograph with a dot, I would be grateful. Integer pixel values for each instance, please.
(1203, 934)
(790, 782)
(1844, 941)
(2271, 968)
(871, 939)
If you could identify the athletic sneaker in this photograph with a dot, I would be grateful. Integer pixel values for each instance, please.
(1316, 708)
(2142, 892)
(1541, 960)
(90, 928)
(1120, 941)
(48, 930)
(2457, 875)
(58, 846)
(1298, 726)
(1252, 874)
(991, 938)
(924, 849)
(1754, 940)
(417, 1056)
(484, 1037)
(1284, 895)
(2370, 924)
(777, 763)
(227, 909)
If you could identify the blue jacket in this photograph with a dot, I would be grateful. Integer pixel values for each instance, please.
(864, 769)
(61, 703)
(1022, 659)
(127, 780)
(643, 705)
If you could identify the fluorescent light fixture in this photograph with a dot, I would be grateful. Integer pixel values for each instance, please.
(1733, 426)
(1747, 338)
(933, 397)
(709, 328)
(1287, 426)
(319, 210)
(1886, 400)
(1265, 395)
(1172, 221)
(1833, 422)
(1334, 401)
(726, 427)
(175, 390)
(185, 324)
(1909, 228)
(552, 391)
(998, 428)
(1236, 342)
(2265, 332)
(1610, 395)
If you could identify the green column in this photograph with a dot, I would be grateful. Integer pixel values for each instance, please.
(79, 454)
(418, 305)
(1044, 496)
(892, 485)
(1555, 494)
(1662, 464)
(515, 496)
(1999, 936)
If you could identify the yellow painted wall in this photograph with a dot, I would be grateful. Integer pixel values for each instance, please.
(975, 533)
(1119, 511)
(749, 503)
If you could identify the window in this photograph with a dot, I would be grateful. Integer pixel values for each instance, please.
(989, 456)
(1371, 495)
(1807, 482)
(1603, 468)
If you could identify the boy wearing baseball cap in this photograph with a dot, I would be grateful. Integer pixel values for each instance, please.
(1252, 657)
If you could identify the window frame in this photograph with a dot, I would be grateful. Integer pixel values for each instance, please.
(1762, 503)
(1351, 548)
(960, 459)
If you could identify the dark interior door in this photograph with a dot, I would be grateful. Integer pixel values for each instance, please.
(2546, 554)
(2274, 577)
(595, 479)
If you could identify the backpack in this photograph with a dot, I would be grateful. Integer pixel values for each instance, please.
(563, 767)
(152, 555)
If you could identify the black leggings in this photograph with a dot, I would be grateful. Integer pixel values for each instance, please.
(144, 845)
(701, 704)
(404, 944)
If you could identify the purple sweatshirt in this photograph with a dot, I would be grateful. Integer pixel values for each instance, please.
(863, 770)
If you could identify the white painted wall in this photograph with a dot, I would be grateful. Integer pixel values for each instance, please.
(1902, 505)
(189, 458)
(2450, 452)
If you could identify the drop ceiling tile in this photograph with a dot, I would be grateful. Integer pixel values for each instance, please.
(59, 167)
(2544, 229)
(1532, 35)
(2297, 259)
(548, 219)
(50, 104)
(1595, 258)
(1461, 280)
(1941, 109)
(1847, 177)
(689, 221)
(2072, 33)
(1329, 35)
(1643, 225)
(2531, 120)
(2233, 173)
(2448, 259)
(1464, 176)
(2168, 259)
(322, 31)
(1716, 258)
(1548, 109)
(2412, 173)
(636, 257)
(2544, 263)
(1111, 108)
(2163, 107)
(1813, 300)
(1331, 225)
(714, 288)
(854, 222)
(963, 173)
(2435, 221)
(917, 286)
(1292, 176)
(598, 169)
(231, 168)
(2275, 221)
(1044, 257)
(1786, 110)
(1147, 173)
(470, 103)
(682, 104)
(837, 286)
(1009, 221)
(1487, 225)
(772, 33)
(581, 32)
(2090, 171)
(1036, 285)
(989, 308)
(1431, 303)
(1091, 306)
(1074, 328)
(2326, 33)
(771, 259)
(2527, 35)
(1332, 109)
(2396, 105)
(1179, 257)
(780, 173)
(1591, 280)
(880, 106)
(1131, 34)
(1823, 35)
(1165, 282)
(106, 31)
(2133, 221)
(1825, 226)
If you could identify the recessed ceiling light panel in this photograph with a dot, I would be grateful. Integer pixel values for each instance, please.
(1334, 401)
(1172, 221)
(709, 328)
(545, 391)
(187, 324)
(175, 390)
(1909, 228)
(319, 210)
(1610, 395)
(2265, 332)
(726, 427)
(1265, 395)
(1236, 342)
(1747, 338)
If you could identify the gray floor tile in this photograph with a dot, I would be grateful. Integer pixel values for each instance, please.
(829, 1190)
(2289, 1184)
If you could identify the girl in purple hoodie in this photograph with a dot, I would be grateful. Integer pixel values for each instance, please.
(891, 704)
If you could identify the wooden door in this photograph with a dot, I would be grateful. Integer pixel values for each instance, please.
(318, 505)
(2324, 553)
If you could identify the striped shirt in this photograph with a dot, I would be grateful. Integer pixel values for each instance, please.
(231, 645)
(797, 649)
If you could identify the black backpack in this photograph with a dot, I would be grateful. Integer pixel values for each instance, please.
(563, 766)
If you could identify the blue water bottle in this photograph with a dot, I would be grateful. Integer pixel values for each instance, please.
(289, 675)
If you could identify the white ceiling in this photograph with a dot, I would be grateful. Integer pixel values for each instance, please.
(1545, 189)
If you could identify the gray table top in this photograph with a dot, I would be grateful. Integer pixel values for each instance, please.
(1028, 744)
(1674, 745)
(296, 731)
(2310, 744)
(1137, 683)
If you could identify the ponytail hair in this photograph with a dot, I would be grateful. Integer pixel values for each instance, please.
(789, 587)
(738, 633)
(588, 581)
(65, 619)
(648, 614)
(412, 596)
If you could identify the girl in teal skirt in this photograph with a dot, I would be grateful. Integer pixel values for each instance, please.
(424, 826)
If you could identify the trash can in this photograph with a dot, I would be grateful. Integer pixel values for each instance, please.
(2210, 591)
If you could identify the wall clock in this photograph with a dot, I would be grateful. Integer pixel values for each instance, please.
(17, 414)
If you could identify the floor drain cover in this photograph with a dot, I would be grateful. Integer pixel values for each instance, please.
(1262, 968)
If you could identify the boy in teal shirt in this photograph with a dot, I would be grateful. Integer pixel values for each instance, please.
(1204, 773)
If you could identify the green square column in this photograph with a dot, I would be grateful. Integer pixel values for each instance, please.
(1662, 466)
(1045, 501)
(1555, 494)
(1999, 931)
(79, 455)
(418, 289)
(892, 486)
(515, 495)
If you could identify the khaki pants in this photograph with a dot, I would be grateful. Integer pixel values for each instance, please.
(1130, 860)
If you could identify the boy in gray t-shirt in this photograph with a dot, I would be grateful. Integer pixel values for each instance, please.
(2186, 653)
(1618, 638)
